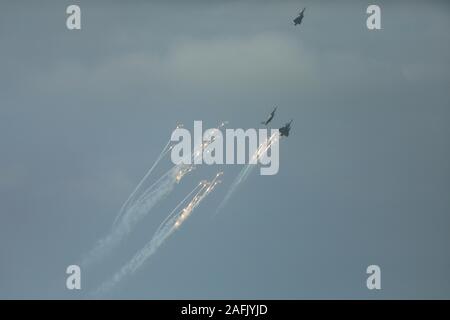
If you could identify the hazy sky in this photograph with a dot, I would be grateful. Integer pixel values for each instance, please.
(364, 176)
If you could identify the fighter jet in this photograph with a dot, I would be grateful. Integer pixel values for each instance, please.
(284, 131)
(299, 19)
(272, 114)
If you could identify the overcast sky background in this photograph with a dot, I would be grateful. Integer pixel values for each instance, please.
(364, 176)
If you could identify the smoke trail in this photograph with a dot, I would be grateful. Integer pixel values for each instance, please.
(131, 217)
(134, 209)
(164, 231)
(247, 169)
(171, 214)
(178, 171)
(132, 196)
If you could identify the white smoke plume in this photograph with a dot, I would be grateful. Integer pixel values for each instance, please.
(173, 221)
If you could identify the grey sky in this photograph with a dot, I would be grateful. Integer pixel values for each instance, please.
(364, 177)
